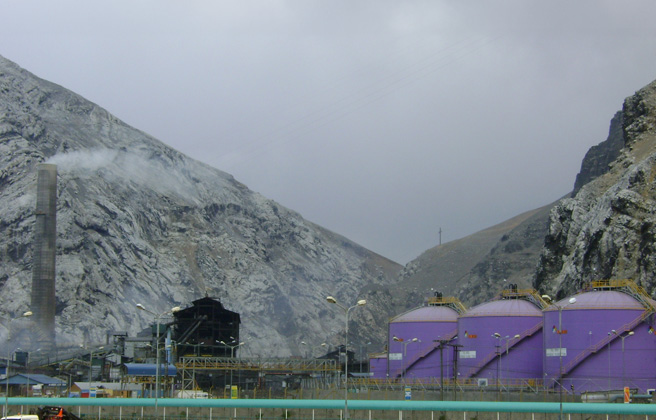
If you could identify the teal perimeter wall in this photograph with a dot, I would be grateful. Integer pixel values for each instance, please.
(402, 405)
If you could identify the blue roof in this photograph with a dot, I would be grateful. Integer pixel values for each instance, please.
(33, 379)
(149, 369)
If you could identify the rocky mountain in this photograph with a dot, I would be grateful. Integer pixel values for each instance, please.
(139, 222)
(604, 231)
(597, 160)
(608, 229)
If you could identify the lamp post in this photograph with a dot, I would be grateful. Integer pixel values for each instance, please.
(232, 347)
(498, 346)
(507, 339)
(157, 319)
(346, 310)
(560, 353)
(24, 315)
(405, 352)
(630, 333)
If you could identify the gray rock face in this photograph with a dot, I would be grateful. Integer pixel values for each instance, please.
(597, 160)
(608, 229)
(139, 222)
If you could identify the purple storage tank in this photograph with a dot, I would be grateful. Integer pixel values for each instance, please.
(419, 342)
(501, 341)
(602, 339)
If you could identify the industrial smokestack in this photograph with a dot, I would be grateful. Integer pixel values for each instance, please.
(43, 271)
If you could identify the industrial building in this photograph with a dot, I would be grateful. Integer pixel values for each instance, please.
(600, 339)
(206, 328)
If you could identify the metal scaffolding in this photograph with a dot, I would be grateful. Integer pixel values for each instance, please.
(188, 366)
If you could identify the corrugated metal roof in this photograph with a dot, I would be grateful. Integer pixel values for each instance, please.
(34, 378)
(428, 314)
(504, 307)
(599, 299)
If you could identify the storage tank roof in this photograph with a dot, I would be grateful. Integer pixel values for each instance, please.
(504, 307)
(599, 299)
(428, 314)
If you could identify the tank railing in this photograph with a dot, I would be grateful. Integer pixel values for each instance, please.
(629, 287)
(641, 295)
(607, 284)
(451, 302)
(599, 345)
(512, 342)
(530, 295)
(433, 383)
(421, 355)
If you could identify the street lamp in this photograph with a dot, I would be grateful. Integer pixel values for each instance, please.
(232, 347)
(560, 352)
(157, 318)
(346, 310)
(609, 340)
(405, 351)
(24, 315)
(630, 333)
(507, 339)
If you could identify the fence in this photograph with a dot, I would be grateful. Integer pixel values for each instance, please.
(324, 409)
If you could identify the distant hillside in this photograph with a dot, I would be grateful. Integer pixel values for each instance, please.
(478, 266)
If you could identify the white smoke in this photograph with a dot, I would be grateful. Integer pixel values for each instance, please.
(120, 166)
(83, 160)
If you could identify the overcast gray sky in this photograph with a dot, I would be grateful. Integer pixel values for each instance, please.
(380, 120)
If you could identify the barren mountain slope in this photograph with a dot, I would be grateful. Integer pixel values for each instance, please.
(139, 222)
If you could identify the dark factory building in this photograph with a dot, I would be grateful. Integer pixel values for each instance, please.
(206, 329)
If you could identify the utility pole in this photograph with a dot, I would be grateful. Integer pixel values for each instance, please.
(441, 347)
(455, 369)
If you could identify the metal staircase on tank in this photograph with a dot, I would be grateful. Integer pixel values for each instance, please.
(437, 300)
(511, 343)
(625, 286)
(512, 292)
(436, 345)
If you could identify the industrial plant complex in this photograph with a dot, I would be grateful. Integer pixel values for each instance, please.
(598, 340)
